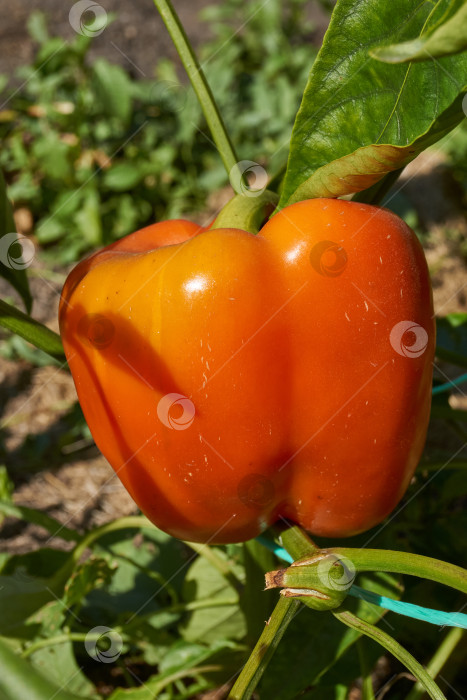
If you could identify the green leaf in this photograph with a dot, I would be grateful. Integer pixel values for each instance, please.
(6, 487)
(88, 219)
(54, 157)
(361, 119)
(448, 38)
(144, 580)
(113, 89)
(12, 265)
(124, 176)
(57, 661)
(38, 517)
(37, 27)
(89, 575)
(210, 624)
(451, 339)
(19, 679)
(183, 660)
(20, 596)
(31, 330)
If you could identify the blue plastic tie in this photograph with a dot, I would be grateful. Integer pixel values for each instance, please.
(449, 385)
(435, 617)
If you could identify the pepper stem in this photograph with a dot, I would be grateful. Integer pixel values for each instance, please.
(246, 212)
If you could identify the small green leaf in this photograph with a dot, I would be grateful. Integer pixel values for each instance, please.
(6, 486)
(88, 219)
(113, 89)
(447, 39)
(91, 574)
(124, 176)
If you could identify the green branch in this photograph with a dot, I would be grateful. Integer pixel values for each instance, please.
(36, 333)
(394, 648)
(200, 85)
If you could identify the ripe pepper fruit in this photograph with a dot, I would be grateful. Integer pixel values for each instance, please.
(232, 379)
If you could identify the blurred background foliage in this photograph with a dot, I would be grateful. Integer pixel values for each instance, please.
(94, 152)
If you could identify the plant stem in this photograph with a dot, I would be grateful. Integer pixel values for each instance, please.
(367, 683)
(256, 603)
(439, 659)
(33, 331)
(82, 636)
(264, 649)
(199, 83)
(298, 543)
(60, 639)
(404, 563)
(246, 212)
(131, 521)
(394, 648)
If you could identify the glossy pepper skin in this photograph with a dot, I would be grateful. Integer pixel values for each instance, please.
(231, 379)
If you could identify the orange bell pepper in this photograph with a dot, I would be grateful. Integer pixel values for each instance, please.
(233, 379)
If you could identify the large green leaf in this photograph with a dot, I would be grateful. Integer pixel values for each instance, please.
(19, 679)
(360, 118)
(202, 582)
(183, 660)
(12, 268)
(448, 38)
(57, 662)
